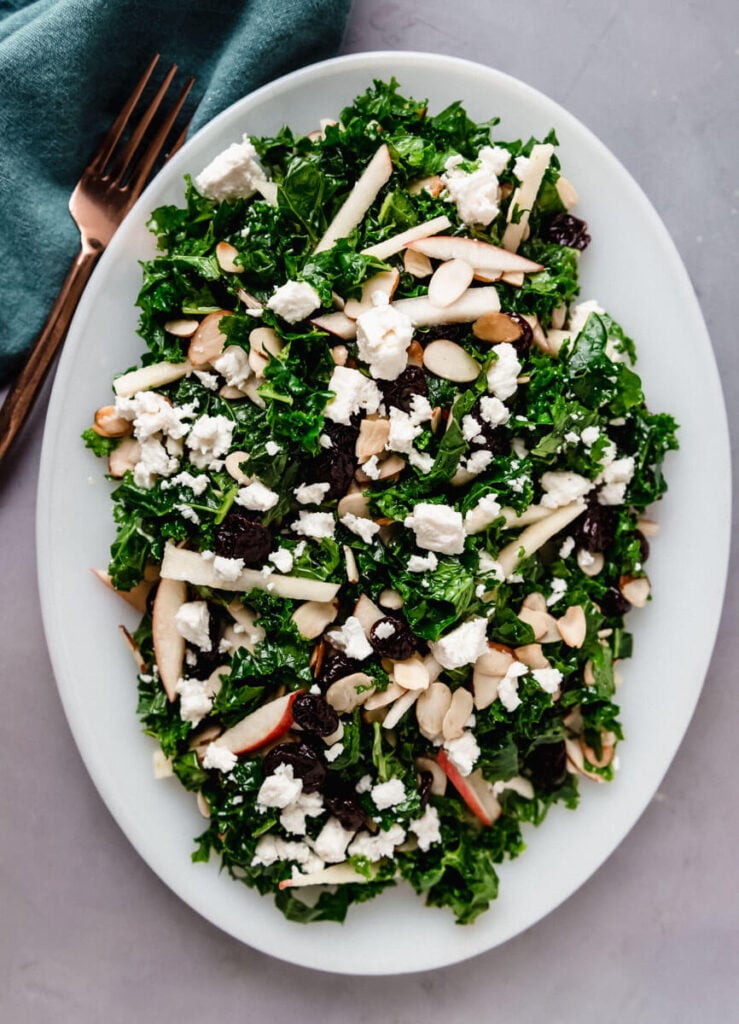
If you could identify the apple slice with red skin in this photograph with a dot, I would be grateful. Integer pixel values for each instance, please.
(474, 789)
(334, 874)
(260, 727)
(169, 646)
(481, 255)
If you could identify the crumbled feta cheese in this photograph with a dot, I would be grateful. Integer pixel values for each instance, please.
(476, 193)
(590, 435)
(220, 758)
(384, 629)
(422, 461)
(351, 639)
(383, 337)
(233, 174)
(197, 484)
(209, 438)
(508, 686)
(388, 794)
(364, 528)
(272, 448)
(470, 428)
(315, 524)
(271, 848)
(427, 828)
(364, 785)
(282, 559)
(228, 569)
(334, 751)
(294, 301)
(208, 380)
(567, 547)
(487, 564)
(521, 166)
(192, 622)
(233, 364)
(311, 494)
(463, 645)
(503, 373)
(493, 411)
(463, 752)
(403, 432)
(579, 315)
(559, 588)
(378, 846)
(561, 486)
(519, 447)
(571, 437)
(154, 461)
(485, 512)
(152, 414)
(422, 563)
(353, 392)
(547, 678)
(194, 700)
(331, 842)
(478, 461)
(279, 789)
(616, 477)
(437, 528)
(257, 497)
(307, 805)
(325, 441)
(372, 467)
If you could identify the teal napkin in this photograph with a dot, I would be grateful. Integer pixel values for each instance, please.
(66, 67)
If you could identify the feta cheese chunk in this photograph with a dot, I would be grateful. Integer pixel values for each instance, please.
(493, 411)
(233, 365)
(194, 700)
(229, 569)
(548, 679)
(294, 301)
(508, 686)
(388, 794)
(616, 477)
(427, 828)
(422, 563)
(437, 528)
(463, 752)
(476, 193)
(383, 337)
(192, 622)
(353, 393)
(316, 525)
(279, 789)
(311, 494)
(350, 639)
(378, 846)
(364, 528)
(331, 842)
(220, 758)
(293, 817)
(503, 374)
(233, 174)
(463, 645)
(256, 497)
(282, 559)
(209, 439)
(561, 486)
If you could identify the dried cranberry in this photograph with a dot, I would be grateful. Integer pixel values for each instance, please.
(238, 536)
(314, 714)
(424, 787)
(399, 645)
(547, 764)
(496, 438)
(454, 332)
(336, 666)
(527, 335)
(347, 809)
(335, 467)
(564, 229)
(613, 603)
(307, 763)
(343, 435)
(206, 662)
(596, 530)
(401, 391)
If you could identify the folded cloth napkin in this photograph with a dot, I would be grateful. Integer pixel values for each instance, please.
(66, 67)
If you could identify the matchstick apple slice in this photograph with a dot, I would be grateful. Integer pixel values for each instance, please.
(335, 874)
(156, 375)
(524, 197)
(390, 246)
(169, 646)
(385, 282)
(474, 789)
(359, 200)
(260, 727)
(481, 255)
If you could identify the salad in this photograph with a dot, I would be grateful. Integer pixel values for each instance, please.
(380, 494)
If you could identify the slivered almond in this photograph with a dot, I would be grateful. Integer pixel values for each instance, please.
(487, 276)
(607, 751)
(344, 695)
(251, 390)
(109, 424)
(411, 673)
(181, 328)
(635, 589)
(532, 655)
(227, 254)
(263, 343)
(233, 464)
(497, 327)
(543, 624)
(387, 468)
(575, 760)
(352, 569)
(354, 503)
(448, 360)
(381, 698)
(415, 354)
(373, 436)
(124, 457)
(417, 264)
(208, 340)
(485, 688)
(573, 626)
(312, 618)
(496, 660)
(438, 775)
(249, 300)
(588, 676)
(431, 709)
(450, 281)
(535, 601)
(459, 712)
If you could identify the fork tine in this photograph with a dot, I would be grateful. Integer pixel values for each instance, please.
(106, 147)
(123, 160)
(140, 173)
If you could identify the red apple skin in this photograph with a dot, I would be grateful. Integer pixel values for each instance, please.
(260, 727)
(169, 646)
(466, 790)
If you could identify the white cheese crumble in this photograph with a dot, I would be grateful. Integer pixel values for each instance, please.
(228, 569)
(562, 486)
(471, 428)
(493, 411)
(383, 337)
(422, 563)
(383, 630)
(364, 528)
(547, 678)
(485, 512)
(154, 461)
(197, 484)
(372, 467)
(388, 794)
(233, 174)
(567, 547)
(272, 448)
(256, 497)
(437, 528)
(590, 435)
(316, 525)
(364, 785)
(209, 438)
(311, 494)
(208, 380)
(378, 846)
(559, 588)
(282, 559)
(422, 461)
(463, 645)
(279, 789)
(476, 193)
(334, 751)
(220, 758)
(427, 828)
(403, 432)
(351, 639)
(307, 805)
(233, 364)
(616, 477)
(502, 376)
(331, 842)
(192, 622)
(353, 393)
(463, 752)
(294, 301)
(508, 686)
(478, 461)
(152, 414)
(487, 564)
(194, 700)
(271, 848)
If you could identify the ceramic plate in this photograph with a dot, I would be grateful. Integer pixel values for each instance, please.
(633, 269)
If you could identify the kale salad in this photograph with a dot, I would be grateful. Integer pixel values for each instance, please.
(380, 494)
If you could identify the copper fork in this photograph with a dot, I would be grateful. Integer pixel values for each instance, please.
(108, 188)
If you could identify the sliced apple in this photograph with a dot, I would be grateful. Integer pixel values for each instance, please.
(482, 256)
(359, 200)
(335, 874)
(260, 727)
(169, 646)
(136, 596)
(133, 648)
(450, 281)
(524, 197)
(147, 377)
(190, 566)
(383, 250)
(474, 789)
(385, 282)
(536, 535)
(401, 706)
(268, 191)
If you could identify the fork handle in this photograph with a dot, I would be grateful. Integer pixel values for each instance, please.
(25, 390)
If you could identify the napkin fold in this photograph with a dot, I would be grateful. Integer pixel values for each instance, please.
(67, 66)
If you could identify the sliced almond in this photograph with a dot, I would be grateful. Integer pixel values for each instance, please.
(496, 660)
(431, 709)
(124, 457)
(573, 626)
(450, 281)
(497, 327)
(485, 688)
(590, 564)
(559, 316)
(136, 596)
(385, 283)
(390, 599)
(368, 613)
(535, 601)
(263, 343)
(251, 390)
(344, 695)
(417, 264)
(232, 393)
(411, 673)
(109, 424)
(227, 255)
(381, 698)
(448, 360)
(635, 589)
(606, 754)
(513, 277)
(312, 618)
(373, 436)
(182, 328)
(533, 656)
(458, 714)
(576, 762)
(340, 354)
(354, 503)
(415, 354)
(352, 569)
(438, 775)
(208, 340)
(245, 618)
(233, 463)
(543, 624)
(249, 300)
(648, 527)
(487, 276)
(387, 468)
(401, 707)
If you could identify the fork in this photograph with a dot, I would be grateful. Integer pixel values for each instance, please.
(110, 184)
